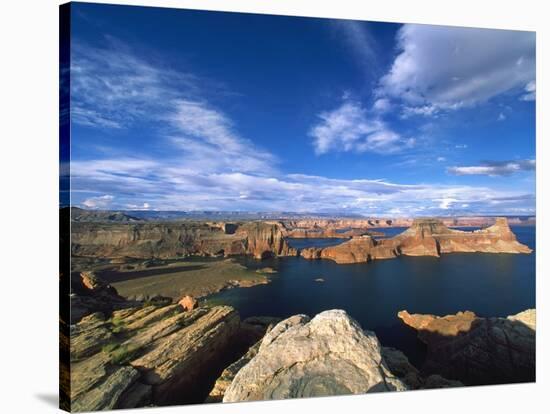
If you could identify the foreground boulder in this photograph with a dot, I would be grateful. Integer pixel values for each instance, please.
(476, 350)
(327, 355)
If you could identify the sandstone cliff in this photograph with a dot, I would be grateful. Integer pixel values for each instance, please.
(165, 240)
(425, 237)
(125, 354)
(476, 350)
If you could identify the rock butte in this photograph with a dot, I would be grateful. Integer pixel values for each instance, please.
(426, 237)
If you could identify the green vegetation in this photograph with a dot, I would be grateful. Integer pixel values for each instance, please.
(122, 354)
(118, 325)
(108, 348)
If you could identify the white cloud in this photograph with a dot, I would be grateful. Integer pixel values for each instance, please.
(351, 128)
(453, 67)
(501, 117)
(174, 187)
(113, 88)
(382, 105)
(446, 203)
(360, 41)
(495, 168)
(207, 139)
(531, 90)
(441, 159)
(99, 202)
(424, 110)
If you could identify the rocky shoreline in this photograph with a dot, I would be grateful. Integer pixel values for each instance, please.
(127, 354)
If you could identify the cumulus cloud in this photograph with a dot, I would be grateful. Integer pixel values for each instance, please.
(99, 202)
(350, 127)
(440, 67)
(382, 105)
(495, 168)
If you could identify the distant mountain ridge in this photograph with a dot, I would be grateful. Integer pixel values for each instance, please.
(127, 216)
(81, 215)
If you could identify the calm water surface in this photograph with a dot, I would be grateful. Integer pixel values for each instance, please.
(373, 293)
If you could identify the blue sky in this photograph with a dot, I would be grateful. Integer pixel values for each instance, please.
(188, 110)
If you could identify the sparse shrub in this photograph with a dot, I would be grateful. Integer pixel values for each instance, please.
(109, 348)
(122, 354)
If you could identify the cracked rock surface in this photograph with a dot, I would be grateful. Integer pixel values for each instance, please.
(327, 355)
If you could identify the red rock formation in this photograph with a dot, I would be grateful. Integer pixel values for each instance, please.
(188, 303)
(426, 237)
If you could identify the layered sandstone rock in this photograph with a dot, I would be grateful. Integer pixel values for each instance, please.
(425, 237)
(90, 294)
(265, 239)
(299, 357)
(172, 239)
(129, 354)
(156, 355)
(476, 350)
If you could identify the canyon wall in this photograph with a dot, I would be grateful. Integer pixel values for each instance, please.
(172, 239)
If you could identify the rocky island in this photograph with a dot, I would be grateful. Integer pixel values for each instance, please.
(425, 237)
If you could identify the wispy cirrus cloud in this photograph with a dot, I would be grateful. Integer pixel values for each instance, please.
(446, 68)
(351, 128)
(208, 140)
(360, 41)
(495, 168)
(112, 88)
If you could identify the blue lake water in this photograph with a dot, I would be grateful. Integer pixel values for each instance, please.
(373, 293)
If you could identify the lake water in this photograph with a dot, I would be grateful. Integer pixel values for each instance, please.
(373, 293)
